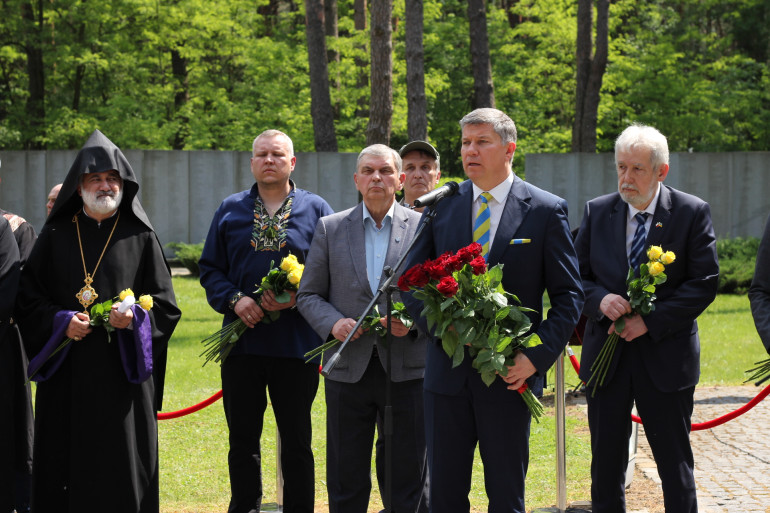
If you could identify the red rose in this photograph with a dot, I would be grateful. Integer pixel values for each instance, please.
(470, 252)
(479, 265)
(454, 263)
(436, 268)
(523, 388)
(448, 286)
(475, 249)
(414, 277)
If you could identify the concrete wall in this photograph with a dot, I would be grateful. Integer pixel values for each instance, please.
(736, 185)
(180, 190)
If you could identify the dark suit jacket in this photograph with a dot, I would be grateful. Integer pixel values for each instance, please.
(335, 285)
(759, 293)
(682, 224)
(547, 263)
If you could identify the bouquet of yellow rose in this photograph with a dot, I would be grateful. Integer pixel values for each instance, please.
(466, 305)
(281, 280)
(641, 295)
(100, 316)
(371, 322)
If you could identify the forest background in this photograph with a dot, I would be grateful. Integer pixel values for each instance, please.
(339, 74)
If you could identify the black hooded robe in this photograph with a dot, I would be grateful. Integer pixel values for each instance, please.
(96, 442)
(9, 280)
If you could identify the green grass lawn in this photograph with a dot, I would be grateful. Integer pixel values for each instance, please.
(193, 449)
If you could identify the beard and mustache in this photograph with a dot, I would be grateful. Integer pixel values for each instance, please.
(102, 202)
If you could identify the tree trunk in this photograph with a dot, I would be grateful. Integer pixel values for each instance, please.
(181, 97)
(332, 55)
(590, 73)
(381, 101)
(483, 89)
(35, 107)
(417, 117)
(320, 101)
(359, 17)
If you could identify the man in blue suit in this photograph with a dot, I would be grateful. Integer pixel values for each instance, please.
(656, 364)
(460, 410)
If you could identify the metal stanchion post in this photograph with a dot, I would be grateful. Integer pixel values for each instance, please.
(561, 447)
(278, 504)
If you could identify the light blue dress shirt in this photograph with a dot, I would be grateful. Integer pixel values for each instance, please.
(376, 241)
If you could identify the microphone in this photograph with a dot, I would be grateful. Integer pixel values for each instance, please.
(436, 195)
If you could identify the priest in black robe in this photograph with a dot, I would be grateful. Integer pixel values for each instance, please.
(9, 280)
(96, 433)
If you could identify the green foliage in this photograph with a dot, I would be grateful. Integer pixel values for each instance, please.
(188, 255)
(195, 74)
(737, 259)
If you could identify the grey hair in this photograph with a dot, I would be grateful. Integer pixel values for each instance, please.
(380, 150)
(643, 136)
(273, 133)
(501, 123)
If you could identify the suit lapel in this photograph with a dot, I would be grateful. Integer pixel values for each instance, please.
(356, 242)
(398, 230)
(516, 209)
(661, 217)
(619, 222)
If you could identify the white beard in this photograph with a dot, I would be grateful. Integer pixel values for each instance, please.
(101, 203)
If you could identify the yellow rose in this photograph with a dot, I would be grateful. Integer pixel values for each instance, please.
(295, 275)
(145, 301)
(289, 263)
(654, 252)
(125, 293)
(668, 257)
(655, 268)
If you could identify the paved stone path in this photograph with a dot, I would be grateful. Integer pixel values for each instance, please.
(732, 461)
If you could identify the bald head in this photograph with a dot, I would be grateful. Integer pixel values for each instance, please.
(52, 198)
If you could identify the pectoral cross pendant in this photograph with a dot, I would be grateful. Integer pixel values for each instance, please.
(87, 295)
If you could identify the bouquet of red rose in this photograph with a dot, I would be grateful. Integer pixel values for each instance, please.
(641, 294)
(466, 306)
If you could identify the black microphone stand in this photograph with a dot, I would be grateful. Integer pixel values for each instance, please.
(387, 289)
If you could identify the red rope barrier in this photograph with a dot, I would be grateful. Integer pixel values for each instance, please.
(700, 425)
(191, 409)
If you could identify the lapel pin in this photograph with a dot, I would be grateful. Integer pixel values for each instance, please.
(658, 225)
(398, 239)
(520, 241)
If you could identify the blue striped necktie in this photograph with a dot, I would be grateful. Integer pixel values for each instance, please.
(481, 225)
(638, 250)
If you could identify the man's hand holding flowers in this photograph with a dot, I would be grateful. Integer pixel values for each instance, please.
(626, 315)
(344, 326)
(79, 326)
(248, 311)
(519, 372)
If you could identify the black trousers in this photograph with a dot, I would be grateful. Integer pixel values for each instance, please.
(352, 412)
(667, 420)
(292, 385)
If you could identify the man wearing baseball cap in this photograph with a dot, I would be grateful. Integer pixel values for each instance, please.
(421, 166)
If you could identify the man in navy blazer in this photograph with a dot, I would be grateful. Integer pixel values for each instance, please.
(656, 362)
(460, 410)
(759, 293)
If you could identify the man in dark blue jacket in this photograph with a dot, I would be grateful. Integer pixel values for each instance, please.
(250, 231)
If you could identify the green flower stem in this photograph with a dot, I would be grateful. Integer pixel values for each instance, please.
(219, 344)
(59, 348)
(761, 372)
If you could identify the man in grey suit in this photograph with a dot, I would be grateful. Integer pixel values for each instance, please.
(343, 271)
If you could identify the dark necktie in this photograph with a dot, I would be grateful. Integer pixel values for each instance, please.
(638, 250)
